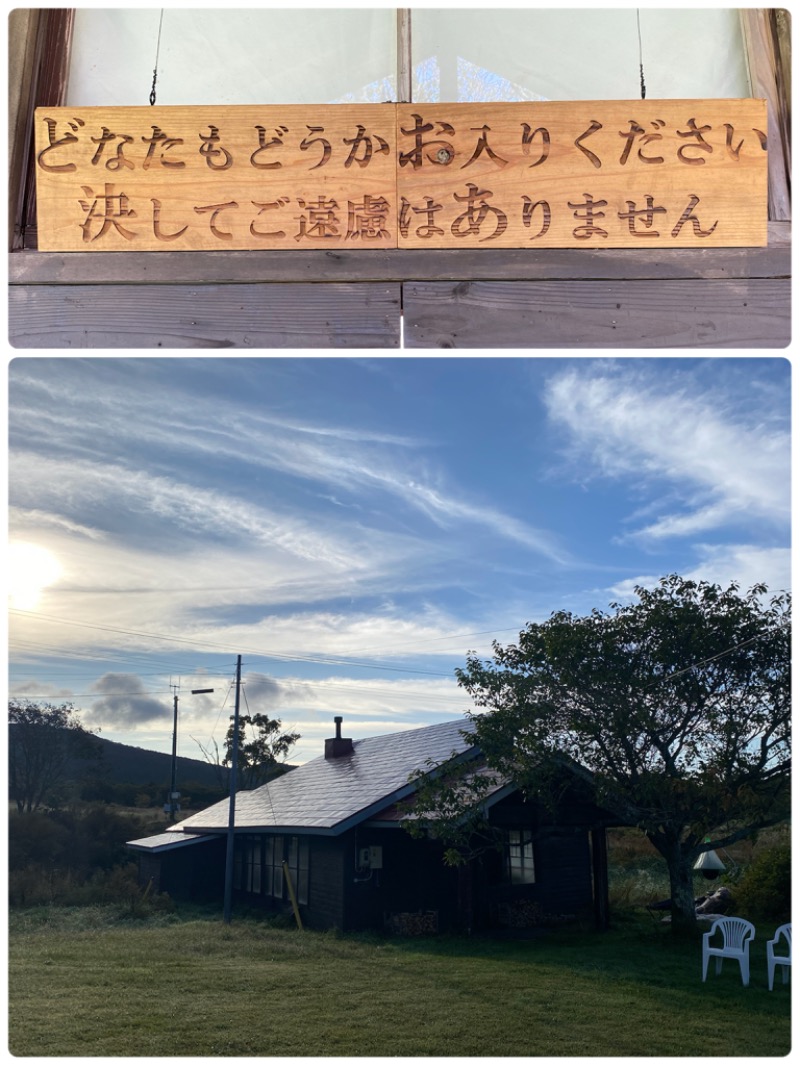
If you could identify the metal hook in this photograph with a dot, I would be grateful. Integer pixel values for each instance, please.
(155, 69)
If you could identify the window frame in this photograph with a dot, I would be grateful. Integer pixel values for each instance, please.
(258, 865)
(525, 864)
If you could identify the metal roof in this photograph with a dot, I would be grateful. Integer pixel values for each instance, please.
(497, 787)
(329, 796)
(166, 841)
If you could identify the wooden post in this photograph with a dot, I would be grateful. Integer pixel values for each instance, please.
(47, 42)
(769, 81)
(404, 68)
(292, 895)
(600, 878)
(465, 897)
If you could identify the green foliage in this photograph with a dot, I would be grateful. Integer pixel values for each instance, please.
(764, 891)
(447, 806)
(36, 885)
(52, 855)
(259, 755)
(673, 710)
(43, 740)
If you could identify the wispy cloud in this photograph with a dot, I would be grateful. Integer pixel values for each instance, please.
(745, 565)
(713, 463)
(172, 511)
(147, 437)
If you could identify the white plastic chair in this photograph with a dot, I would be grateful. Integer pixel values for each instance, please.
(736, 936)
(785, 960)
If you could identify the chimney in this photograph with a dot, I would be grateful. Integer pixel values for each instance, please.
(338, 745)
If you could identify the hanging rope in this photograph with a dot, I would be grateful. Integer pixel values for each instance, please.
(641, 56)
(155, 68)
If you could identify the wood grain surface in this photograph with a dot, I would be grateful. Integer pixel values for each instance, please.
(598, 314)
(459, 264)
(613, 174)
(214, 177)
(336, 315)
(534, 175)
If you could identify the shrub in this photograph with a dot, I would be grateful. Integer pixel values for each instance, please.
(764, 889)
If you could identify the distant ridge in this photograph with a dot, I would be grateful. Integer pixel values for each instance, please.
(126, 764)
(140, 766)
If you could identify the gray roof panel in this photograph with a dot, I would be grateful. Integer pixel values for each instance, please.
(166, 841)
(331, 795)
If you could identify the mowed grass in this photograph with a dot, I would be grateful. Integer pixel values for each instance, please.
(83, 983)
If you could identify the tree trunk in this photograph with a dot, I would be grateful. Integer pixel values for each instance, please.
(681, 888)
(684, 918)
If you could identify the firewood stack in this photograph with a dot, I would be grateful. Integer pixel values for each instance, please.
(412, 923)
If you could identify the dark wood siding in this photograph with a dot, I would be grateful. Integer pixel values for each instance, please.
(563, 860)
(195, 872)
(414, 880)
(326, 889)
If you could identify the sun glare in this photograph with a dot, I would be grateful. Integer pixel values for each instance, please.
(30, 570)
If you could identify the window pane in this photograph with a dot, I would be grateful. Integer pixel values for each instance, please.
(256, 860)
(519, 857)
(208, 56)
(591, 54)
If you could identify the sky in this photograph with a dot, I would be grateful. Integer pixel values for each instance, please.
(354, 526)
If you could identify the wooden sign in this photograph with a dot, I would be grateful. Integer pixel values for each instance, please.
(596, 174)
(604, 174)
(192, 178)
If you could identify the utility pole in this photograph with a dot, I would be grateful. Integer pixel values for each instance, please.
(226, 914)
(172, 802)
(172, 806)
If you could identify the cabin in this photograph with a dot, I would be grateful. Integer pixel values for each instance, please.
(334, 828)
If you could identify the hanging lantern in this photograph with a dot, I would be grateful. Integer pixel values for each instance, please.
(709, 864)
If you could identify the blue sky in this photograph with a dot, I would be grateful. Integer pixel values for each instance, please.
(353, 526)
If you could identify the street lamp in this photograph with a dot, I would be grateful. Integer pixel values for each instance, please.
(172, 806)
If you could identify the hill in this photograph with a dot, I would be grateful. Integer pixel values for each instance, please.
(128, 775)
(139, 766)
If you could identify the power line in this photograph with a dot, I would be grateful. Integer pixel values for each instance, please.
(713, 658)
(252, 652)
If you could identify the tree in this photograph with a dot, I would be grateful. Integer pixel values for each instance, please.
(259, 757)
(673, 710)
(448, 806)
(43, 741)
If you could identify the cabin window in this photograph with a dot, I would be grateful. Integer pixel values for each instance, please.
(248, 865)
(518, 856)
(294, 850)
(297, 861)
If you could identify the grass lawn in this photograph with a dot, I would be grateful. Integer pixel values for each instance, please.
(84, 983)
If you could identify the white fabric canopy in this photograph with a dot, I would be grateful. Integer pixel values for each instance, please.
(330, 55)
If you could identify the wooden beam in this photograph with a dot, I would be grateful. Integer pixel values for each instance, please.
(404, 66)
(51, 46)
(348, 265)
(23, 59)
(597, 314)
(769, 81)
(204, 316)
